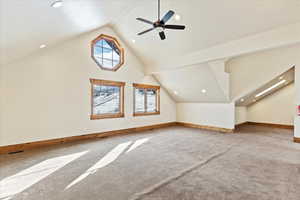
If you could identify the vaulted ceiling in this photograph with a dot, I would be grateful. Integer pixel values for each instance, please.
(211, 25)
(208, 23)
(27, 24)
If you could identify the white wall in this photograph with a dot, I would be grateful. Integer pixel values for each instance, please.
(297, 88)
(240, 114)
(207, 114)
(47, 95)
(1, 102)
(278, 108)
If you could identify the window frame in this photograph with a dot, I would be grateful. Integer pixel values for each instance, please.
(118, 45)
(145, 87)
(121, 105)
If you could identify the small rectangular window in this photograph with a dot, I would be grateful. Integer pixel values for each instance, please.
(139, 100)
(107, 99)
(146, 100)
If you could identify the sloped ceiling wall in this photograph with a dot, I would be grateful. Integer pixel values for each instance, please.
(249, 72)
(186, 85)
(246, 74)
(278, 108)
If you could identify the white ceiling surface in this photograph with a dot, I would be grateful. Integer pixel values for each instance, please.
(186, 85)
(25, 25)
(208, 23)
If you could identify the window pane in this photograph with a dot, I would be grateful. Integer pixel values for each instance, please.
(106, 53)
(107, 64)
(139, 100)
(116, 57)
(105, 43)
(151, 100)
(106, 100)
(98, 51)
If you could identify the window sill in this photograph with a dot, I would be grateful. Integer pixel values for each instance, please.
(145, 114)
(107, 116)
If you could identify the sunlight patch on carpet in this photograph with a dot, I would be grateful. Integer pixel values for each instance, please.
(21, 181)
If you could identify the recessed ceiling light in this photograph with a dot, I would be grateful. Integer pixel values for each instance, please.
(242, 100)
(175, 92)
(270, 88)
(43, 46)
(203, 91)
(177, 17)
(57, 4)
(133, 41)
(281, 77)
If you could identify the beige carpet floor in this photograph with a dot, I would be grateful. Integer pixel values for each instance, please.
(256, 163)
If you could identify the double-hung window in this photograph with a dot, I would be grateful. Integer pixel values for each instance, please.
(146, 100)
(107, 99)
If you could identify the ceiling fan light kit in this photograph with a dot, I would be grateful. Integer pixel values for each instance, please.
(160, 25)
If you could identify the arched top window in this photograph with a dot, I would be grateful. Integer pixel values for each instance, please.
(107, 52)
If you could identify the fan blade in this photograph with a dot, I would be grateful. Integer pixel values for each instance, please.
(177, 27)
(146, 31)
(162, 35)
(168, 16)
(144, 20)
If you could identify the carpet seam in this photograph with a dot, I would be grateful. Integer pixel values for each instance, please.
(166, 181)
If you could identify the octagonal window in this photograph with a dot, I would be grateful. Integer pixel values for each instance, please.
(107, 52)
